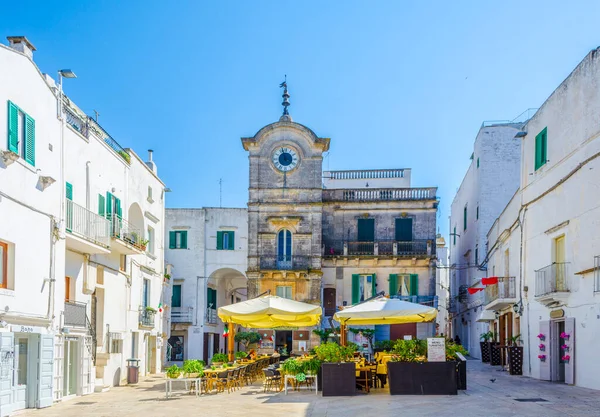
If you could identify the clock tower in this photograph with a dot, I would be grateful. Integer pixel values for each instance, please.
(285, 211)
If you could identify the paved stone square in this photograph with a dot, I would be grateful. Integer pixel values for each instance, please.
(483, 398)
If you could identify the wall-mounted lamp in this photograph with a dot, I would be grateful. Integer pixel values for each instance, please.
(497, 313)
(518, 308)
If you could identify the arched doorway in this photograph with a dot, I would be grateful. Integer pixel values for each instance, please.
(135, 224)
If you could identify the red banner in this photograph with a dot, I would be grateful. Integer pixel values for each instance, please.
(489, 280)
(474, 290)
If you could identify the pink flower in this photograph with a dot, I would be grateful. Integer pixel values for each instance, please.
(541, 336)
(565, 347)
(542, 357)
(564, 335)
(542, 346)
(566, 358)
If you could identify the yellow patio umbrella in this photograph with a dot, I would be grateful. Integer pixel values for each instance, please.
(383, 310)
(269, 312)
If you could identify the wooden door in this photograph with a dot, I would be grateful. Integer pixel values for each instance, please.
(502, 326)
(329, 301)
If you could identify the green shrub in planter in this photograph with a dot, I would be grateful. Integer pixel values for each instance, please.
(193, 366)
(334, 353)
(414, 350)
(173, 371)
(291, 367)
(219, 358)
(241, 355)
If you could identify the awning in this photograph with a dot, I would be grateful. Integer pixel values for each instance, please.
(270, 312)
(486, 315)
(383, 310)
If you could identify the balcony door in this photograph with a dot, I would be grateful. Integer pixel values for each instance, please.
(329, 301)
(559, 259)
(284, 249)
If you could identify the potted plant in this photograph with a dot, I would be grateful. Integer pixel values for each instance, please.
(173, 372)
(485, 346)
(219, 359)
(241, 355)
(409, 373)
(337, 373)
(193, 368)
(515, 356)
(495, 353)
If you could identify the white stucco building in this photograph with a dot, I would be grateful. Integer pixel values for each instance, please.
(207, 251)
(81, 240)
(490, 182)
(442, 285)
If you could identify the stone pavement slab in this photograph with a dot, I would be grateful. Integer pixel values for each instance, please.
(483, 398)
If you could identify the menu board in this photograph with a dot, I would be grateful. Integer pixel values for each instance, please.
(436, 349)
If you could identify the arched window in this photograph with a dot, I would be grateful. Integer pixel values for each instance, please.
(284, 246)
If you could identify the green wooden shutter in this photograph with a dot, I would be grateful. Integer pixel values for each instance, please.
(414, 284)
(109, 205)
(101, 205)
(355, 288)
(69, 191)
(29, 140)
(211, 297)
(219, 240)
(172, 239)
(465, 218)
(541, 147)
(404, 230)
(454, 235)
(183, 240)
(544, 156)
(231, 241)
(373, 285)
(13, 127)
(366, 230)
(393, 284)
(118, 208)
(176, 297)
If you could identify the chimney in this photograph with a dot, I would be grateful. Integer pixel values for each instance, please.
(150, 164)
(21, 44)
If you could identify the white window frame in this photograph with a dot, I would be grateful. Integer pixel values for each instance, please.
(151, 240)
(284, 291)
(365, 287)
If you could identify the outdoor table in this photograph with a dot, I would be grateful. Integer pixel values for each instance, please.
(314, 377)
(367, 379)
(169, 384)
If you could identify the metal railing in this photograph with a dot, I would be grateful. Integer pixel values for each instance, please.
(379, 248)
(75, 314)
(426, 300)
(285, 262)
(86, 224)
(365, 174)
(147, 317)
(596, 273)
(125, 231)
(379, 194)
(211, 316)
(182, 314)
(86, 125)
(552, 278)
(505, 288)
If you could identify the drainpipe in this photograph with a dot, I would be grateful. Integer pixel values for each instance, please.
(87, 185)
(51, 272)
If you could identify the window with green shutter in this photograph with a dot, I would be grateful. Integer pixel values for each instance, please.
(477, 162)
(414, 284)
(355, 288)
(366, 230)
(373, 285)
(225, 240)
(178, 239)
(454, 236)
(393, 284)
(69, 191)
(21, 133)
(404, 229)
(465, 218)
(211, 298)
(101, 205)
(29, 147)
(541, 148)
(477, 213)
(69, 207)
(13, 127)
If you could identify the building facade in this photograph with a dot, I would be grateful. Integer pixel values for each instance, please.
(92, 243)
(490, 182)
(207, 256)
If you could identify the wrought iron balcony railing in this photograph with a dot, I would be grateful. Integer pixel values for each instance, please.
(285, 262)
(551, 279)
(380, 248)
(211, 316)
(505, 288)
(122, 229)
(182, 314)
(147, 317)
(86, 224)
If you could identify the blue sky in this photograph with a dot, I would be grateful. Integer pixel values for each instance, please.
(393, 84)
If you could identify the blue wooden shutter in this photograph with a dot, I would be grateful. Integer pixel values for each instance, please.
(393, 284)
(172, 238)
(183, 239)
(219, 240)
(13, 127)
(414, 284)
(374, 285)
(29, 140)
(288, 245)
(101, 205)
(355, 288)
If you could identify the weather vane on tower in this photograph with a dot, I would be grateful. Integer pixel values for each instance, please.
(286, 96)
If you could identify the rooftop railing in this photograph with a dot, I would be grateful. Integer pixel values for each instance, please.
(365, 174)
(379, 194)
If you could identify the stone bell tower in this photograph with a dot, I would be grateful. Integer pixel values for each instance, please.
(285, 209)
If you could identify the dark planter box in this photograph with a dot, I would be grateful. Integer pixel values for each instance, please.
(430, 378)
(485, 351)
(495, 354)
(338, 379)
(461, 375)
(515, 360)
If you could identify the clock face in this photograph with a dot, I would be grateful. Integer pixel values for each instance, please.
(285, 158)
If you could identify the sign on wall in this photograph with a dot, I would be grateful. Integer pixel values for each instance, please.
(436, 349)
(17, 328)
